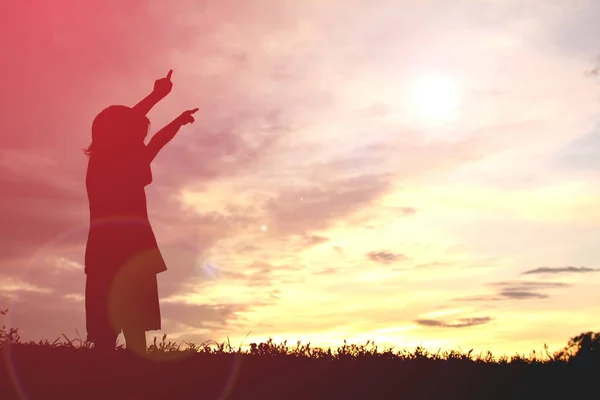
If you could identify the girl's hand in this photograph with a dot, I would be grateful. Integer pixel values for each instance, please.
(163, 86)
(186, 117)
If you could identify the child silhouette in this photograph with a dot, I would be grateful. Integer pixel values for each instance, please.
(122, 257)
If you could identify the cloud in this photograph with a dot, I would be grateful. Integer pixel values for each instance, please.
(314, 240)
(459, 323)
(505, 295)
(433, 265)
(257, 283)
(48, 278)
(580, 154)
(515, 290)
(328, 271)
(221, 148)
(41, 205)
(257, 274)
(10, 288)
(26, 302)
(521, 295)
(559, 270)
(316, 207)
(199, 316)
(526, 285)
(339, 250)
(385, 257)
(407, 210)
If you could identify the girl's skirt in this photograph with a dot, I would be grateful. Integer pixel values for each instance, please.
(127, 300)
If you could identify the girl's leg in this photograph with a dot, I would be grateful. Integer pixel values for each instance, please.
(106, 342)
(135, 340)
(99, 329)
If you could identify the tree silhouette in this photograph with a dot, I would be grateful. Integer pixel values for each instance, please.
(584, 347)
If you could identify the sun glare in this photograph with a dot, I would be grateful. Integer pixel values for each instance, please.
(436, 98)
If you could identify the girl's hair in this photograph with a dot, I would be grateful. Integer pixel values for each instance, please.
(117, 128)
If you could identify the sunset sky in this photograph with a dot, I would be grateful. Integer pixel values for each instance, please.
(409, 172)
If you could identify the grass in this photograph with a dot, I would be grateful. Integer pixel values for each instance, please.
(71, 368)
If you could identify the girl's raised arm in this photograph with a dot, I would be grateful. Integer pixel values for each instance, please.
(164, 136)
(162, 87)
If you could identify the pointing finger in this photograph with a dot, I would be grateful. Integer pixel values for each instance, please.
(169, 74)
(193, 111)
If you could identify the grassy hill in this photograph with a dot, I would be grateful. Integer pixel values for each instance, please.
(73, 370)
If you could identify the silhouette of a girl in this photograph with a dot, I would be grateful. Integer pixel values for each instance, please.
(122, 257)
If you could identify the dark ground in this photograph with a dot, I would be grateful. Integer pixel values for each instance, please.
(44, 372)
